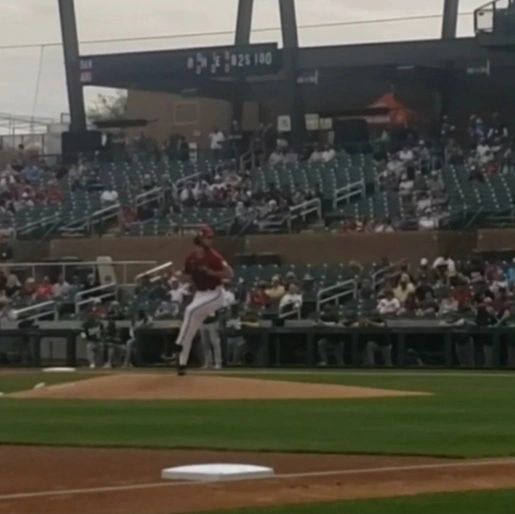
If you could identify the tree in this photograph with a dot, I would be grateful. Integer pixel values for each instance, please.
(109, 107)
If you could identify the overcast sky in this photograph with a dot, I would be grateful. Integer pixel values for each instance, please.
(36, 22)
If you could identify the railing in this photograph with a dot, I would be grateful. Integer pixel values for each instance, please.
(486, 17)
(155, 194)
(95, 294)
(89, 221)
(302, 210)
(380, 276)
(248, 161)
(336, 292)
(151, 272)
(65, 267)
(349, 192)
(294, 312)
(189, 178)
(40, 223)
(36, 312)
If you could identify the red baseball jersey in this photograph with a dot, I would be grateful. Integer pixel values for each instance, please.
(211, 260)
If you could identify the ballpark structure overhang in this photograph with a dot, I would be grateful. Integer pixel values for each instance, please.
(158, 70)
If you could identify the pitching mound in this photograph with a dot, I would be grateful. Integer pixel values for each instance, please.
(197, 387)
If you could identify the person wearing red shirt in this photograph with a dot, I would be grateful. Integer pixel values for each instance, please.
(259, 298)
(207, 270)
(44, 291)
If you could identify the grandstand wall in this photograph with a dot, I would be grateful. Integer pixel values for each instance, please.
(315, 249)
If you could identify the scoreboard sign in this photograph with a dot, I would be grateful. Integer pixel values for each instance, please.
(189, 65)
(249, 60)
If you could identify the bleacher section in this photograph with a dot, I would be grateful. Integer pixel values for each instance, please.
(348, 187)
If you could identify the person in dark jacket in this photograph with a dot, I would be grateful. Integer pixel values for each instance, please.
(92, 334)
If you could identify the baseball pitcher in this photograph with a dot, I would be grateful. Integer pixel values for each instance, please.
(207, 269)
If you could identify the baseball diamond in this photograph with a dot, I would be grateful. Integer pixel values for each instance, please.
(268, 270)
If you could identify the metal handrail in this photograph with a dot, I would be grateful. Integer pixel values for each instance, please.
(149, 196)
(297, 311)
(346, 288)
(303, 209)
(380, 275)
(91, 219)
(349, 191)
(110, 290)
(42, 222)
(16, 314)
(157, 269)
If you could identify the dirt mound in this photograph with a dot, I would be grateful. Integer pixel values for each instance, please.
(132, 386)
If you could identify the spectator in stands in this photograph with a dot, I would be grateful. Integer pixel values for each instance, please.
(186, 195)
(290, 156)
(91, 282)
(423, 204)
(109, 197)
(12, 285)
(484, 152)
(177, 294)
(428, 306)
(316, 156)
(32, 174)
(148, 182)
(258, 297)
(445, 267)
(419, 183)
(28, 291)
(448, 305)
(44, 290)
(4, 299)
(428, 221)
(510, 273)
(216, 142)
(329, 154)
(463, 295)
(406, 155)
(276, 158)
(404, 289)
(389, 305)
(276, 290)
(291, 301)
(384, 226)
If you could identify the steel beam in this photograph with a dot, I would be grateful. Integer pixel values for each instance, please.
(243, 31)
(244, 22)
(450, 19)
(72, 65)
(293, 91)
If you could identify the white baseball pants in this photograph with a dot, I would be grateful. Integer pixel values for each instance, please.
(204, 304)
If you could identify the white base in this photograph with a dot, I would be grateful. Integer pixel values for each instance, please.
(216, 472)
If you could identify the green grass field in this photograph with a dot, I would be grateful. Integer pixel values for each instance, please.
(497, 502)
(467, 416)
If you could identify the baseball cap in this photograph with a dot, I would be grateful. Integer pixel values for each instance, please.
(206, 232)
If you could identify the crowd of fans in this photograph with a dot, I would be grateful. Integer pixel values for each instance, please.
(27, 181)
(414, 172)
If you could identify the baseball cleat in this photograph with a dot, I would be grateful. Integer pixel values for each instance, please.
(181, 371)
